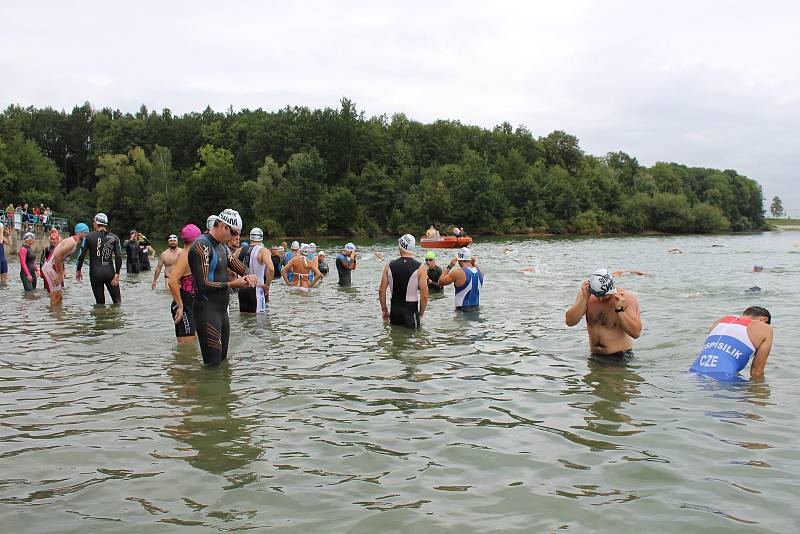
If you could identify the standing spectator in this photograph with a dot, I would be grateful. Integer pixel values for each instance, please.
(45, 216)
(24, 214)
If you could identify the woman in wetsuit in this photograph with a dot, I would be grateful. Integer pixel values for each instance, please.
(101, 245)
(27, 262)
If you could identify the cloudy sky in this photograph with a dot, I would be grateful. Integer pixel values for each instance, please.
(704, 83)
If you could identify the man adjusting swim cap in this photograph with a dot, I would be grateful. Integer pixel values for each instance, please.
(601, 283)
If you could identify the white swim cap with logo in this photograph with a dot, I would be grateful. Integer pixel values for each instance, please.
(407, 242)
(256, 234)
(295, 245)
(210, 221)
(350, 246)
(601, 283)
(231, 218)
(465, 254)
(101, 218)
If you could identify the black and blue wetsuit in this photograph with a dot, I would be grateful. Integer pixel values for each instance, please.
(209, 262)
(101, 245)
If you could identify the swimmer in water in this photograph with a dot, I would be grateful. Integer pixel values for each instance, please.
(379, 257)
(612, 315)
(209, 259)
(4, 240)
(181, 286)
(629, 271)
(105, 261)
(757, 268)
(27, 262)
(53, 269)
(508, 250)
(167, 260)
(528, 270)
(300, 266)
(675, 251)
(732, 341)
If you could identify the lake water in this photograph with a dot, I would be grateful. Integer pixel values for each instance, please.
(325, 420)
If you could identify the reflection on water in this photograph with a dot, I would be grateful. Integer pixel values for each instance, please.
(326, 419)
(219, 440)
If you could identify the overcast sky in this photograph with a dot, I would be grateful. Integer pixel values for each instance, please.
(704, 83)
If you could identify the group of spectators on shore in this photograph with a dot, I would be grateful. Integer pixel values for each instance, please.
(24, 218)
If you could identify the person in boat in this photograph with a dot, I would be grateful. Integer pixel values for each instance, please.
(612, 316)
(432, 232)
(457, 231)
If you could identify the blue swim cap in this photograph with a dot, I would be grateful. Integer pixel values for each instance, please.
(81, 227)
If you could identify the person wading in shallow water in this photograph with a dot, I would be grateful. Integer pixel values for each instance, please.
(167, 260)
(407, 280)
(612, 315)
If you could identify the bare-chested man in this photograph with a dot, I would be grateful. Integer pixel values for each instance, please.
(167, 259)
(612, 315)
(300, 266)
(53, 269)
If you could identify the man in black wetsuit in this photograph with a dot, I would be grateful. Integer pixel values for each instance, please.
(345, 264)
(209, 261)
(132, 253)
(434, 273)
(407, 279)
(101, 245)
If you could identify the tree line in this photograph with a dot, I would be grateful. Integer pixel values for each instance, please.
(301, 171)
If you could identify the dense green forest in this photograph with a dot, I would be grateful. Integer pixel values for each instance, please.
(299, 171)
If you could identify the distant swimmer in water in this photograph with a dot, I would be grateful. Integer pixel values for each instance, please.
(528, 270)
(629, 271)
(732, 341)
(757, 268)
(612, 315)
(508, 250)
(754, 289)
(379, 256)
(675, 251)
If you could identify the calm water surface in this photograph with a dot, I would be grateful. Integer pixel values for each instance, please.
(326, 420)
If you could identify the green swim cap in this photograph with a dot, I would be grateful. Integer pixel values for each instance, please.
(430, 256)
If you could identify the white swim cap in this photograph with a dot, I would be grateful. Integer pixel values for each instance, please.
(312, 247)
(407, 242)
(295, 245)
(601, 283)
(173, 237)
(101, 218)
(210, 221)
(305, 249)
(465, 254)
(256, 234)
(231, 218)
(350, 246)
(28, 235)
(281, 249)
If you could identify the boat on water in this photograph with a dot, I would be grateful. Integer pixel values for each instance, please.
(449, 241)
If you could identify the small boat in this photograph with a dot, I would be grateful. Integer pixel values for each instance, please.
(449, 241)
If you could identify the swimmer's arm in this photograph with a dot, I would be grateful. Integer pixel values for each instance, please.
(180, 270)
(196, 259)
(270, 269)
(630, 319)
(235, 265)
(285, 271)
(158, 270)
(81, 257)
(761, 355)
(117, 256)
(382, 293)
(578, 309)
(423, 290)
(318, 276)
(448, 277)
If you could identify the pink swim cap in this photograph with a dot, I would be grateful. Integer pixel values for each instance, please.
(190, 232)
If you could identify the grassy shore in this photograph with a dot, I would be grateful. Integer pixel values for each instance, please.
(783, 222)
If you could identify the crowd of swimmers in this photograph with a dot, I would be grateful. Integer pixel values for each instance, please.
(215, 264)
